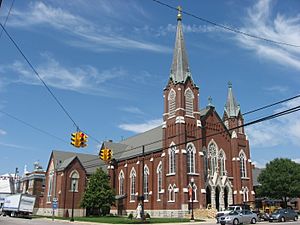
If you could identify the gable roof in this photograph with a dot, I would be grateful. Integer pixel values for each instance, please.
(132, 146)
(89, 162)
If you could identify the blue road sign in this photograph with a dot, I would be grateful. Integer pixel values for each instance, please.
(54, 205)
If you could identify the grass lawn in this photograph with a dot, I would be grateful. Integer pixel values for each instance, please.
(122, 220)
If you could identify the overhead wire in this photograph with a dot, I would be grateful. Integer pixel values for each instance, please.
(39, 77)
(246, 113)
(10, 8)
(272, 116)
(31, 126)
(227, 27)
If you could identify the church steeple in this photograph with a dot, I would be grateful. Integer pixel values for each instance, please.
(180, 69)
(232, 109)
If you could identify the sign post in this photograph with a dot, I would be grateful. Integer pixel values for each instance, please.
(54, 206)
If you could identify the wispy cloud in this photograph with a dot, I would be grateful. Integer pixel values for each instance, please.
(2, 132)
(261, 22)
(287, 127)
(84, 79)
(277, 88)
(14, 146)
(84, 32)
(142, 127)
(132, 109)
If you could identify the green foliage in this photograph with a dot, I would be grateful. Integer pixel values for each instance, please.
(280, 180)
(98, 194)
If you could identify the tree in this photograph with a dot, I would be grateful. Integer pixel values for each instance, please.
(99, 195)
(280, 180)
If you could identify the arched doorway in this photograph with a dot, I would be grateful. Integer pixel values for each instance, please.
(218, 190)
(226, 197)
(208, 197)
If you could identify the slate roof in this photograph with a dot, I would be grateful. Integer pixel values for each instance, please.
(132, 146)
(88, 161)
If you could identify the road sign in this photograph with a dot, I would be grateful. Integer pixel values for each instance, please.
(54, 205)
(54, 200)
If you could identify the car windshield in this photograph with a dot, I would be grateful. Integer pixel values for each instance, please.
(277, 211)
(233, 213)
(231, 208)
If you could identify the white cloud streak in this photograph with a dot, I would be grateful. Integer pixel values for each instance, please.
(282, 130)
(86, 34)
(3, 132)
(282, 28)
(132, 109)
(142, 127)
(84, 79)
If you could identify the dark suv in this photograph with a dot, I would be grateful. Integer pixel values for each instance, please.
(283, 215)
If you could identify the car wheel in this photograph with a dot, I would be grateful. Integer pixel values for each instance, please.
(295, 218)
(235, 222)
(282, 219)
(253, 221)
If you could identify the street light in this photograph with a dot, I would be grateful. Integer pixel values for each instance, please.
(192, 195)
(72, 216)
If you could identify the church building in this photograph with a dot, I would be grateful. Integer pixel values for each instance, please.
(196, 156)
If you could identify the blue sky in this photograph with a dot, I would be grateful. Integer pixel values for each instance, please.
(108, 62)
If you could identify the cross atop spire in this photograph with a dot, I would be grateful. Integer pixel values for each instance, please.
(232, 109)
(180, 69)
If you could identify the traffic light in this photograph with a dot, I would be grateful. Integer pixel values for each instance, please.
(82, 139)
(75, 140)
(109, 154)
(103, 154)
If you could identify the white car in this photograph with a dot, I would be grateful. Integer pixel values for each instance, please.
(243, 217)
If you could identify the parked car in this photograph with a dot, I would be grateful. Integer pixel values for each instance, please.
(235, 217)
(283, 215)
(231, 208)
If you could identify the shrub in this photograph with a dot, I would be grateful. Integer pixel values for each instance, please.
(147, 216)
(130, 216)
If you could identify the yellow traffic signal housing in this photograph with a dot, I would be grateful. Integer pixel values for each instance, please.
(109, 154)
(75, 140)
(82, 139)
(105, 154)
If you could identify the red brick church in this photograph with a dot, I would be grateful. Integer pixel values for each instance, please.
(195, 156)
(195, 145)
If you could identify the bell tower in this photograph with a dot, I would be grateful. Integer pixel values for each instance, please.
(181, 125)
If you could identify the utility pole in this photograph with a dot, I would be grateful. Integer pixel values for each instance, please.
(143, 179)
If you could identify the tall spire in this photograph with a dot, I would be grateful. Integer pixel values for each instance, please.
(231, 107)
(180, 69)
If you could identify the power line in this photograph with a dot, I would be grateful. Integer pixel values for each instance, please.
(227, 27)
(31, 126)
(272, 116)
(37, 74)
(246, 113)
(12, 3)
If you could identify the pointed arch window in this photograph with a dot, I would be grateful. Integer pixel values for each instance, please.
(190, 154)
(132, 184)
(243, 161)
(240, 123)
(213, 155)
(222, 158)
(146, 182)
(189, 102)
(172, 102)
(159, 179)
(245, 193)
(171, 190)
(121, 183)
(50, 186)
(74, 177)
(172, 159)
